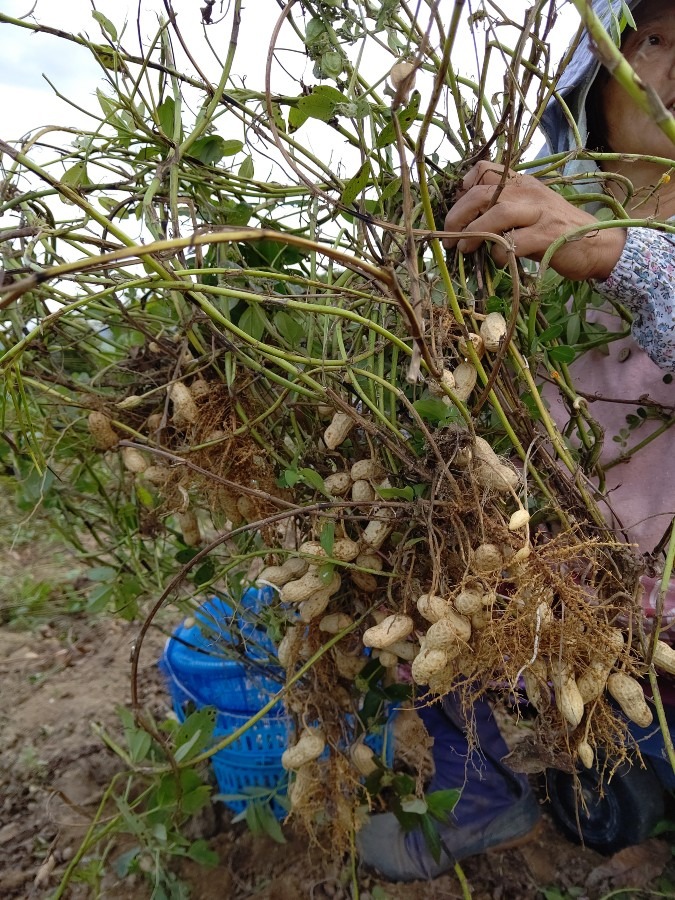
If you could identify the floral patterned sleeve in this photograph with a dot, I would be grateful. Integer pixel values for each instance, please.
(644, 281)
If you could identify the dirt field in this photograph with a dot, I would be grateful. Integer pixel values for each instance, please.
(54, 767)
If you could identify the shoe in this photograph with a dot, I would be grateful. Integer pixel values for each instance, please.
(496, 810)
(383, 845)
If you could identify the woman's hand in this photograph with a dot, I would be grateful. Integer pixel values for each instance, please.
(531, 216)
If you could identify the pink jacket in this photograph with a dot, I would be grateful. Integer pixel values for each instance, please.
(639, 497)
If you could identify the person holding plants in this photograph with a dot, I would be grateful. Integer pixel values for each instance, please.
(628, 380)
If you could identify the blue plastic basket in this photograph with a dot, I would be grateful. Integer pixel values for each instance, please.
(235, 778)
(200, 665)
(199, 670)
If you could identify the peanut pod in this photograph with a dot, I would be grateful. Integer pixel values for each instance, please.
(567, 697)
(363, 759)
(340, 426)
(428, 663)
(628, 694)
(101, 430)
(465, 376)
(310, 746)
(664, 657)
(432, 607)
(486, 558)
(493, 330)
(363, 491)
(310, 583)
(184, 407)
(314, 606)
(536, 687)
(366, 470)
(378, 529)
(585, 754)
(338, 484)
(390, 630)
(134, 460)
(189, 526)
(475, 340)
(469, 601)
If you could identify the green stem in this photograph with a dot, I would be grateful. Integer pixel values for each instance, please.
(464, 884)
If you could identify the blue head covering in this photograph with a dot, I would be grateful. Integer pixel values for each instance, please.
(575, 84)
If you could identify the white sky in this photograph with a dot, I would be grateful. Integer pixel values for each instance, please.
(28, 101)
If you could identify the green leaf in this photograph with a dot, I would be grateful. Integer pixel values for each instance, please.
(320, 103)
(186, 555)
(212, 148)
(268, 823)
(139, 745)
(403, 784)
(106, 103)
(109, 59)
(278, 117)
(238, 214)
(205, 573)
(405, 118)
(356, 184)
(247, 169)
(391, 190)
(76, 176)
(326, 573)
(165, 113)
(159, 831)
(431, 837)
(327, 539)
(332, 64)
(252, 819)
(166, 792)
(101, 573)
(196, 800)
(627, 15)
(252, 322)
(442, 803)
(145, 497)
(124, 861)
(105, 24)
(495, 304)
(315, 28)
(195, 733)
(291, 477)
(200, 852)
(385, 16)
(313, 479)
(573, 329)
(290, 329)
(406, 493)
(296, 118)
(273, 253)
(99, 598)
(431, 409)
(563, 355)
(550, 334)
(138, 740)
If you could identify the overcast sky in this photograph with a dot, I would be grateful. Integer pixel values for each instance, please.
(29, 102)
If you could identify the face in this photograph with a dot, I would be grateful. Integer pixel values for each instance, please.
(651, 52)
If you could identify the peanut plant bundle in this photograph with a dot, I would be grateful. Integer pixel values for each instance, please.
(230, 362)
